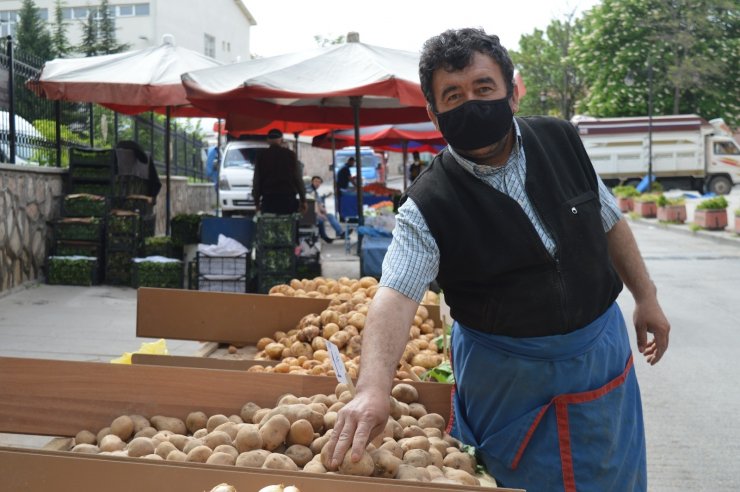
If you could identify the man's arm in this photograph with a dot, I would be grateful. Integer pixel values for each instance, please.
(648, 316)
(383, 341)
(256, 186)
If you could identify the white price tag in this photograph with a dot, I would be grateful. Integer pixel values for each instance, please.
(337, 363)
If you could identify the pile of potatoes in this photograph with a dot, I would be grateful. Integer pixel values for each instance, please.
(293, 436)
(302, 350)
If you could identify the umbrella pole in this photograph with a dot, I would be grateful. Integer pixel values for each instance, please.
(218, 168)
(333, 176)
(405, 148)
(167, 167)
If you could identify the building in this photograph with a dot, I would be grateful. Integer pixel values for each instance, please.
(217, 28)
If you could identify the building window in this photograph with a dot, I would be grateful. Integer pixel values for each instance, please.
(209, 45)
(9, 20)
(141, 9)
(125, 11)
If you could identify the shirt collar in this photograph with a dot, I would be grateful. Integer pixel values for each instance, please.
(481, 170)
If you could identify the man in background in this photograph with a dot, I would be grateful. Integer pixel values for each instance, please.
(278, 185)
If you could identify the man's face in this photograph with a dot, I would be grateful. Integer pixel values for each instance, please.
(316, 182)
(482, 79)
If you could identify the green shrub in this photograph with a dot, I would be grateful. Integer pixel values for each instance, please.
(625, 191)
(647, 197)
(716, 203)
(663, 201)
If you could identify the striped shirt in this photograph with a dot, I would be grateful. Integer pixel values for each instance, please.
(412, 260)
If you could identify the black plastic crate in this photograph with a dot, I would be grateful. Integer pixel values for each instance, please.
(79, 229)
(277, 230)
(161, 246)
(87, 172)
(222, 285)
(236, 266)
(102, 188)
(308, 266)
(165, 275)
(72, 270)
(266, 281)
(123, 222)
(91, 157)
(276, 259)
(185, 228)
(78, 248)
(118, 266)
(84, 205)
(148, 226)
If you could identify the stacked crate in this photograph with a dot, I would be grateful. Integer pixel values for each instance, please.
(222, 273)
(123, 242)
(275, 250)
(91, 171)
(77, 252)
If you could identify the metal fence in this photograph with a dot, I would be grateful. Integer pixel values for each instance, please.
(37, 131)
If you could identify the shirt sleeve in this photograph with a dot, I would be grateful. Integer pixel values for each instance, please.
(610, 212)
(412, 260)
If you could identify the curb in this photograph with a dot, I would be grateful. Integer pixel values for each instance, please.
(723, 237)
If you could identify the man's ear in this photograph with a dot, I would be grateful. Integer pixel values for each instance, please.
(432, 116)
(515, 99)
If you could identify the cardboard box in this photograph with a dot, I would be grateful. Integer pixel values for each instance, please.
(60, 398)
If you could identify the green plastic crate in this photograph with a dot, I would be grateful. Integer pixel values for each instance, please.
(165, 275)
(84, 205)
(72, 270)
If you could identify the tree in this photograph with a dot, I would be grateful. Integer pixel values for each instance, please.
(692, 46)
(59, 42)
(32, 36)
(548, 70)
(323, 41)
(89, 44)
(107, 31)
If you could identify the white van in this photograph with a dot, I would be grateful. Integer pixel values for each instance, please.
(25, 135)
(236, 176)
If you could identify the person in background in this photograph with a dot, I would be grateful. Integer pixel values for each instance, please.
(531, 253)
(345, 180)
(322, 216)
(416, 167)
(278, 185)
(212, 160)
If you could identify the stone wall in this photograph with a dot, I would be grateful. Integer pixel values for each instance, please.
(31, 199)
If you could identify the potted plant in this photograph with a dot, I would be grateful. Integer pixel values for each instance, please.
(625, 197)
(711, 214)
(646, 205)
(671, 209)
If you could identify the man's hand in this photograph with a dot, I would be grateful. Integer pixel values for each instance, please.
(357, 424)
(649, 318)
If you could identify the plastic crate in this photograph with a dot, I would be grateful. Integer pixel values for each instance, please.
(308, 266)
(134, 203)
(78, 248)
(130, 185)
(161, 246)
(91, 157)
(265, 282)
(185, 229)
(271, 260)
(123, 222)
(118, 267)
(84, 205)
(93, 188)
(79, 229)
(277, 230)
(165, 275)
(222, 285)
(82, 172)
(236, 266)
(72, 270)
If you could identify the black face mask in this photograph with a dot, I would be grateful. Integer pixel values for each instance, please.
(476, 123)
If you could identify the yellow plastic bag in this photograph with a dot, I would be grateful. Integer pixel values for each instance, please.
(157, 348)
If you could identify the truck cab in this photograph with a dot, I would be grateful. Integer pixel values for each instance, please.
(236, 177)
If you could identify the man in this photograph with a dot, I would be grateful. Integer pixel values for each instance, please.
(530, 252)
(322, 216)
(212, 166)
(344, 176)
(277, 179)
(416, 166)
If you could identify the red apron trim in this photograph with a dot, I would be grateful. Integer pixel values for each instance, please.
(528, 436)
(451, 422)
(566, 458)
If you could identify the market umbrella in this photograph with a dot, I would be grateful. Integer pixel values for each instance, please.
(333, 84)
(132, 82)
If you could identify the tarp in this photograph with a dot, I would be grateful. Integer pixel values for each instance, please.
(384, 135)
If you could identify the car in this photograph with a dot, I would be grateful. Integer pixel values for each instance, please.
(368, 158)
(236, 177)
(28, 141)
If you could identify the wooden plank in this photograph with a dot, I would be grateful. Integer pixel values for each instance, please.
(60, 444)
(60, 398)
(42, 471)
(202, 362)
(218, 316)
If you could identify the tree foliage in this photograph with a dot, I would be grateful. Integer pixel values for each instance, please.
(693, 47)
(323, 41)
(32, 35)
(107, 42)
(59, 43)
(89, 44)
(548, 69)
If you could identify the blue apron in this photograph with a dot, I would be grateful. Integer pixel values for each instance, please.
(556, 413)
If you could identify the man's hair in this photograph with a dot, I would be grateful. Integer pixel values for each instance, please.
(415, 154)
(317, 177)
(351, 159)
(453, 50)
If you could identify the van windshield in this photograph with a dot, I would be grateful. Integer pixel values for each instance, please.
(243, 157)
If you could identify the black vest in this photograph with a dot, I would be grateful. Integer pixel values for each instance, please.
(494, 269)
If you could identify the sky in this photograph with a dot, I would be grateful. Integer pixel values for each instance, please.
(290, 25)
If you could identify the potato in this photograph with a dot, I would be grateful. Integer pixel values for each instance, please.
(155, 457)
(199, 454)
(214, 421)
(340, 339)
(140, 446)
(171, 424)
(460, 476)
(123, 427)
(102, 433)
(407, 421)
(259, 415)
(357, 320)
(301, 432)
(437, 457)
(195, 421)
(276, 461)
(112, 442)
(264, 342)
(274, 432)
(216, 438)
(432, 432)
(86, 449)
(413, 431)
(274, 350)
(435, 473)
(146, 432)
(314, 467)
(163, 449)
(140, 422)
(318, 407)
(452, 441)
(230, 428)
(220, 458)
(160, 437)
(386, 463)
(439, 444)
(254, 459)
(85, 437)
(417, 457)
(300, 454)
(459, 461)
(405, 393)
(393, 447)
(227, 448)
(363, 468)
(417, 410)
(248, 438)
(179, 441)
(408, 472)
(330, 329)
(318, 444)
(248, 410)
(418, 442)
(192, 444)
(176, 455)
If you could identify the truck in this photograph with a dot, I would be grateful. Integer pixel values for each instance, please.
(687, 151)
